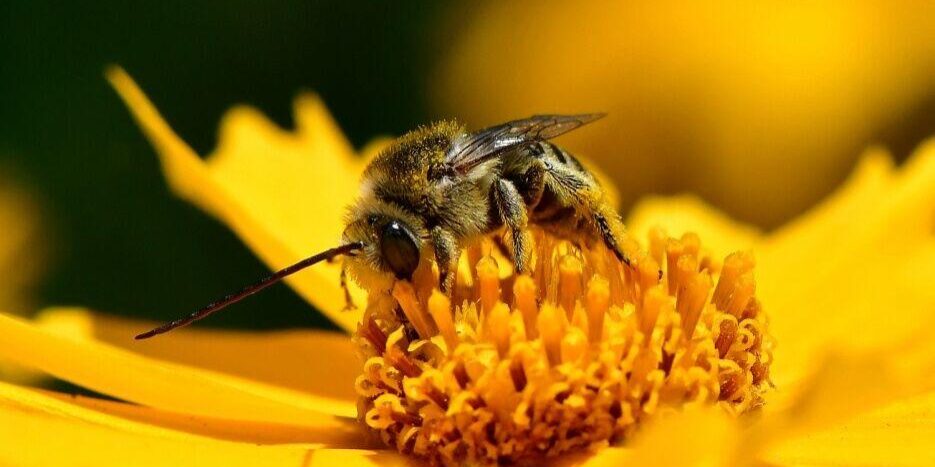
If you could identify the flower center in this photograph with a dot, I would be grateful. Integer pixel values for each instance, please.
(519, 367)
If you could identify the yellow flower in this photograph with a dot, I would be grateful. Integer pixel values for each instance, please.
(737, 101)
(845, 287)
(22, 259)
(21, 255)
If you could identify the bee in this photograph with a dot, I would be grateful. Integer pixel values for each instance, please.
(437, 189)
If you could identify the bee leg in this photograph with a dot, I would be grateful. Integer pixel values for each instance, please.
(512, 210)
(446, 256)
(606, 221)
(348, 299)
(587, 198)
(531, 185)
(611, 228)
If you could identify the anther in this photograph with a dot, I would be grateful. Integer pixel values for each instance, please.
(597, 302)
(440, 309)
(524, 299)
(569, 283)
(518, 375)
(577, 351)
(405, 295)
(488, 282)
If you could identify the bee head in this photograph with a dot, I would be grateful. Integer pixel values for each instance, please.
(392, 248)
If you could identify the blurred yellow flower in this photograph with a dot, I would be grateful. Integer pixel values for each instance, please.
(21, 252)
(22, 258)
(760, 107)
(845, 285)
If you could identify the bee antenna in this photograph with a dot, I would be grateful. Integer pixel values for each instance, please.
(251, 289)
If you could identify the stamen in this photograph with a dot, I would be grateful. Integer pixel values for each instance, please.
(498, 327)
(674, 251)
(405, 295)
(552, 324)
(597, 303)
(569, 282)
(440, 309)
(581, 350)
(743, 292)
(727, 332)
(524, 299)
(574, 345)
(518, 374)
(401, 361)
(653, 303)
(374, 335)
(735, 265)
(691, 300)
(488, 282)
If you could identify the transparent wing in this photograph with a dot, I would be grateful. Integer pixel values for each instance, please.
(473, 149)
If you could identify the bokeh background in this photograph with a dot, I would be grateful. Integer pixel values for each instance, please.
(759, 107)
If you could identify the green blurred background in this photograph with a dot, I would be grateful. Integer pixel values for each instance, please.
(114, 239)
(119, 242)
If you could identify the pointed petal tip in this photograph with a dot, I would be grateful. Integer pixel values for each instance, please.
(245, 202)
(114, 72)
(126, 87)
(308, 98)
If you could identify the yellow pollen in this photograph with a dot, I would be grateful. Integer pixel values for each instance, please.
(580, 351)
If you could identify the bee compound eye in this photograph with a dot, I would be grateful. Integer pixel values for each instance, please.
(399, 249)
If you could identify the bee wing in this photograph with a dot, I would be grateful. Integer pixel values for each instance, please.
(473, 149)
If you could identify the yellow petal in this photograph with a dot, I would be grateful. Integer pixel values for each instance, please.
(699, 94)
(22, 258)
(687, 213)
(41, 430)
(150, 421)
(847, 384)
(169, 386)
(22, 252)
(283, 193)
(599, 456)
(844, 389)
(857, 271)
(854, 271)
(898, 434)
(700, 437)
(14, 397)
(226, 429)
(694, 437)
(312, 362)
(356, 457)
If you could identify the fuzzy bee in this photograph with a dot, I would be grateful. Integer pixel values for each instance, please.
(439, 188)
